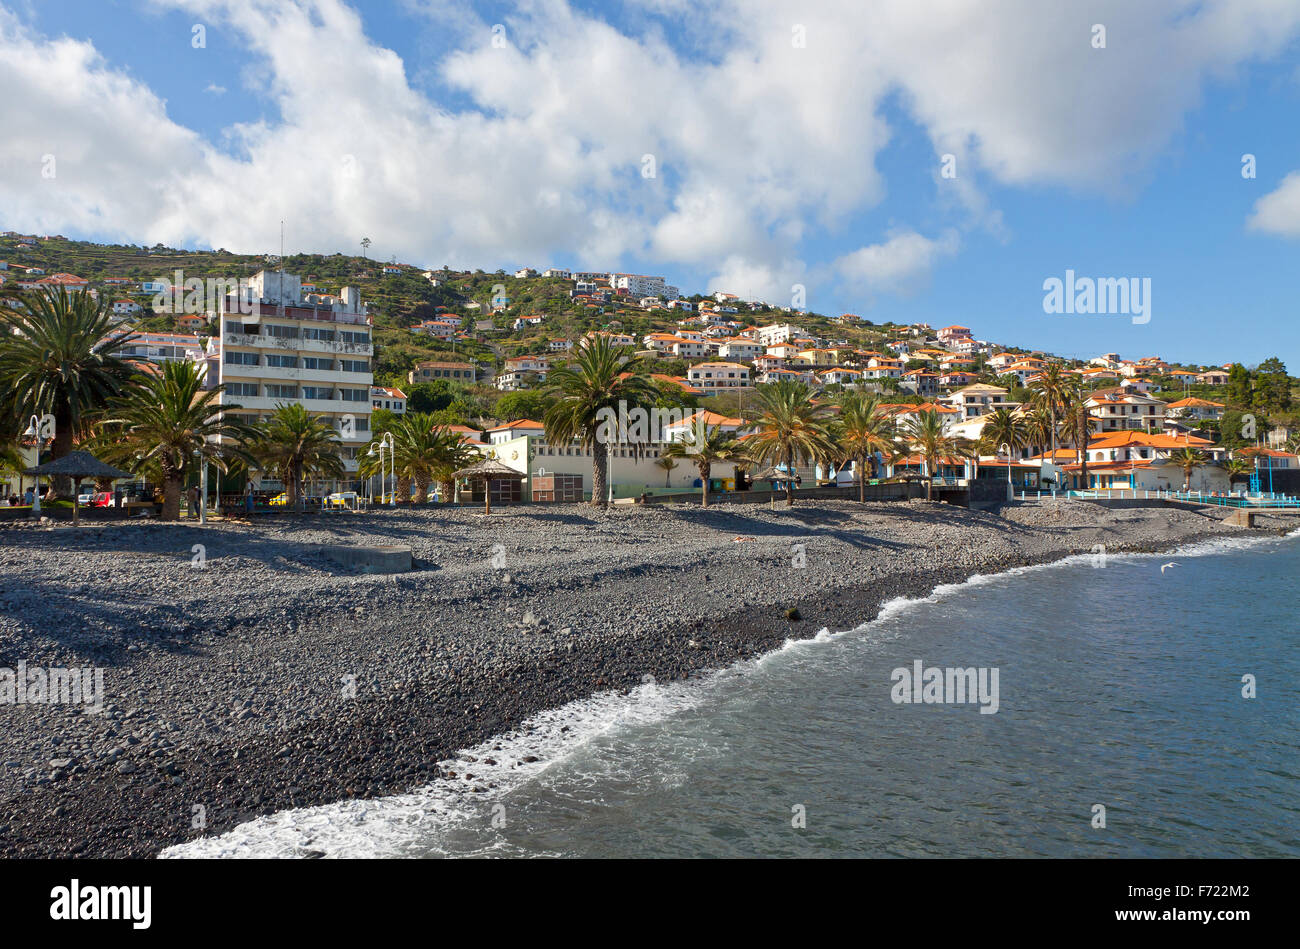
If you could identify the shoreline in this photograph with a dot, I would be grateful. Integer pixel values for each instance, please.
(480, 673)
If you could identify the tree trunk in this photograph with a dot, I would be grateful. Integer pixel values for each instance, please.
(447, 489)
(60, 446)
(705, 471)
(171, 510)
(291, 486)
(862, 481)
(599, 465)
(402, 493)
(422, 489)
(789, 481)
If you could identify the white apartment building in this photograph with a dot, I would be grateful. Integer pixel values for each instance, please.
(1117, 410)
(691, 349)
(275, 349)
(715, 377)
(778, 333)
(736, 348)
(978, 399)
(639, 285)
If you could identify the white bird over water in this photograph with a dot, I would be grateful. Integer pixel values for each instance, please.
(1164, 565)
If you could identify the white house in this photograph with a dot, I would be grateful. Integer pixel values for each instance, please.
(713, 378)
(383, 397)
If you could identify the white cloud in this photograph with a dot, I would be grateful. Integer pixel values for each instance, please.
(898, 265)
(759, 145)
(1278, 212)
(214, 89)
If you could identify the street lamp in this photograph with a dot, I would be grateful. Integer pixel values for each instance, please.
(203, 485)
(34, 431)
(385, 441)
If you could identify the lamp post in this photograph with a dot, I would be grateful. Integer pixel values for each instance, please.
(203, 485)
(370, 454)
(386, 441)
(34, 431)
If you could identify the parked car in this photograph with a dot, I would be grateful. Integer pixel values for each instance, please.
(85, 498)
(346, 499)
(103, 499)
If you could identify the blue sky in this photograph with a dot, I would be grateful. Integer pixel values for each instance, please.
(772, 169)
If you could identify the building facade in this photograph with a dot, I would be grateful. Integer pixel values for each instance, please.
(275, 349)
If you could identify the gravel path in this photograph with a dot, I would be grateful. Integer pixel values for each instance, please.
(230, 685)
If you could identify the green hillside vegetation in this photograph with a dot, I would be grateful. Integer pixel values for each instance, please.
(399, 301)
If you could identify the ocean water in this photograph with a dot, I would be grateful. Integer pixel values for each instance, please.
(1118, 685)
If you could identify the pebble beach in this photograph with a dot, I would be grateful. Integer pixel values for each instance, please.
(245, 672)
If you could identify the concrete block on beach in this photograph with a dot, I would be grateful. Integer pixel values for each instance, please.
(387, 558)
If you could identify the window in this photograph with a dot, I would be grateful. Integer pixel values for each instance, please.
(312, 332)
(281, 391)
(317, 392)
(354, 365)
(313, 362)
(350, 337)
(354, 395)
(281, 331)
(282, 362)
(241, 388)
(241, 359)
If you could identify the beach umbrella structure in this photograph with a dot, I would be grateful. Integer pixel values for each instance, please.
(489, 470)
(77, 465)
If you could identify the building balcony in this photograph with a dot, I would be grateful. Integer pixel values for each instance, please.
(295, 345)
(237, 372)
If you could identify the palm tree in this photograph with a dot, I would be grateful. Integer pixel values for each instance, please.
(708, 448)
(1238, 468)
(587, 390)
(1189, 459)
(1005, 429)
(1053, 388)
(365, 245)
(55, 359)
(1040, 431)
(863, 430)
(789, 429)
(450, 455)
(296, 445)
(1293, 443)
(1078, 425)
(666, 463)
(929, 435)
(417, 451)
(164, 420)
